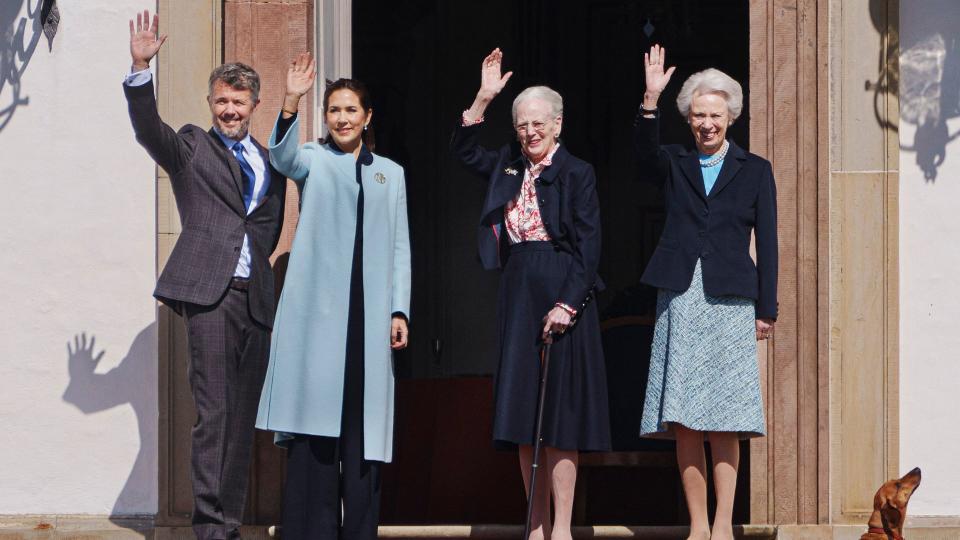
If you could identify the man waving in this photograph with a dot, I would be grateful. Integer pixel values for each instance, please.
(218, 275)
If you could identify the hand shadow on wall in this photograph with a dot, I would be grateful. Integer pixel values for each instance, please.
(132, 382)
(926, 75)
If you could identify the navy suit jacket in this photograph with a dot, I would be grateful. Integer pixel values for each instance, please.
(713, 227)
(566, 193)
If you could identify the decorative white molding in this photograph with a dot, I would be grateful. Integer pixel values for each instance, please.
(334, 44)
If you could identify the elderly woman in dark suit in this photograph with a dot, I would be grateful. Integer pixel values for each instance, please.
(714, 302)
(540, 224)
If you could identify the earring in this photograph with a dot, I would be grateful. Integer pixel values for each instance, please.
(365, 127)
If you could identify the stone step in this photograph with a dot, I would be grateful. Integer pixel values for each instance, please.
(102, 528)
(514, 532)
(96, 528)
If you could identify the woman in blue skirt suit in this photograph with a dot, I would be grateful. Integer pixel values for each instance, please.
(540, 224)
(714, 302)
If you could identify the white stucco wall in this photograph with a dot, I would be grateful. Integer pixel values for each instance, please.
(77, 255)
(930, 252)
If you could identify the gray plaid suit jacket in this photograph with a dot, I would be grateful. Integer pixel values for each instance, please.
(208, 187)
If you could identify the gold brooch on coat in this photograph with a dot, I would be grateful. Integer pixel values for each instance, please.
(380, 178)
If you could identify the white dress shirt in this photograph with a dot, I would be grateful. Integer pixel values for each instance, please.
(254, 158)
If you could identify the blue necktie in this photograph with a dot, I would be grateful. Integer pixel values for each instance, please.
(247, 174)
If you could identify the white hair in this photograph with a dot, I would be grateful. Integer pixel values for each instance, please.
(551, 96)
(711, 81)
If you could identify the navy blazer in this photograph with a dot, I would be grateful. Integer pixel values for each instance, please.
(566, 193)
(713, 227)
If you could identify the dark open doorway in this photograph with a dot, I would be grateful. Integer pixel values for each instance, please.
(421, 59)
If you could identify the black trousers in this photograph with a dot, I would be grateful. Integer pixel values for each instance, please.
(228, 361)
(323, 471)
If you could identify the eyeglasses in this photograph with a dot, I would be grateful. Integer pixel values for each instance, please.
(537, 127)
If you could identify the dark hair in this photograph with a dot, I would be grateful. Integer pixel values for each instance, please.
(363, 95)
(238, 76)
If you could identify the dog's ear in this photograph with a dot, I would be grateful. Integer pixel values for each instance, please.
(891, 516)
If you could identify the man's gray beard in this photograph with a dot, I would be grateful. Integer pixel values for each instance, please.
(236, 134)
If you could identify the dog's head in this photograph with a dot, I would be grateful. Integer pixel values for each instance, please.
(890, 503)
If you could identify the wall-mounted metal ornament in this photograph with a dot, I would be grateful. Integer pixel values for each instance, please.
(50, 17)
(648, 28)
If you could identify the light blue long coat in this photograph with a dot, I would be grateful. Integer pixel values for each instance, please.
(303, 389)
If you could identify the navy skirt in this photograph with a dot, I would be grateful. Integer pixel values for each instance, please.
(575, 413)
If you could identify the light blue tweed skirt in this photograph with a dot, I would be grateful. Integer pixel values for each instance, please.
(703, 365)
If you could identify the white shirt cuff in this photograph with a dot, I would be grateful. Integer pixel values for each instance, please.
(138, 78)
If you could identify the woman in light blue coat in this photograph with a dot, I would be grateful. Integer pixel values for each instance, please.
(328, 392)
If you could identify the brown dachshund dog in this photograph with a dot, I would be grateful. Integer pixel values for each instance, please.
(890, 507)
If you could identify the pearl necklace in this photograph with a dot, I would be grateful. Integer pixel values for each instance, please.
(718, 158)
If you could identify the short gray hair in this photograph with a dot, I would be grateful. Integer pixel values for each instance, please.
(238, 76)
(711, 81)
(545, 93)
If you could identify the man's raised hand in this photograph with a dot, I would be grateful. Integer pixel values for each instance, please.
(144, 40)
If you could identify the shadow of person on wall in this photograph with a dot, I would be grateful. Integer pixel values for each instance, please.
(132, 382)
(926, 75)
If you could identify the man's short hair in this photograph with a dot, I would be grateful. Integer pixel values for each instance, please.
(239, 76)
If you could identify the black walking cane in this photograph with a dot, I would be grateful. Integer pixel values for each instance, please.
(541, 394)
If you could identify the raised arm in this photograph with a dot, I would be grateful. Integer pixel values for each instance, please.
(647, 125)
(464, 142)
(284, 154)
(169, 150)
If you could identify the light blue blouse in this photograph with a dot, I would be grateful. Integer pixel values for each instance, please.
(710, 174)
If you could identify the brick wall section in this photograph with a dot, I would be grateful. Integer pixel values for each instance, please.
(268, 35)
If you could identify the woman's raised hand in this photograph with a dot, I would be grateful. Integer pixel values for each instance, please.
(300, 78)
(491, 83)
(491, 80)
(656, 77)
(301, 74)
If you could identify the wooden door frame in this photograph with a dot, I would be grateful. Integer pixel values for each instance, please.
(787, 126)
(831, 373)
